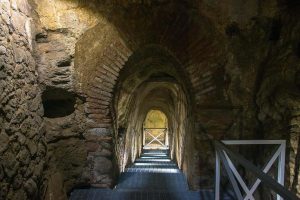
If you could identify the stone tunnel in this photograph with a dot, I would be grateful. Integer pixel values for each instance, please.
(79, 80)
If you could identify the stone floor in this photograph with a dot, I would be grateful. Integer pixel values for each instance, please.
(153, 176)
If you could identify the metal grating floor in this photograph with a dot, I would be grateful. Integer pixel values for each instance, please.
(106, 194)
(153, 176)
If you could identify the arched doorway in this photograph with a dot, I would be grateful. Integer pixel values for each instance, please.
(155, 130)
(153, 80)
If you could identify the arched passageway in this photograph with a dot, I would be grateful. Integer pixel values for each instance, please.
(153, 123)
(138, 67)
(151, 80)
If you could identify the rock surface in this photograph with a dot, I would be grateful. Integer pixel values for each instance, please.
(22, 136)
(218, 70)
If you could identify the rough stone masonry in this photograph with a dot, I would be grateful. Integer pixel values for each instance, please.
(77, 79)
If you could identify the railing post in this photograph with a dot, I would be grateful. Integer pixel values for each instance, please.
(281, 167)
(217, 177)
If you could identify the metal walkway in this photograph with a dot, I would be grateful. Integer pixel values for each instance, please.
(153, 176)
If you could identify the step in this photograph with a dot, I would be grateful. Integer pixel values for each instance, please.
(153, 170)
(149, 162)
(152, 181)
(155, 151)
(153, 160)
(154, 157)
(157, 167)
(155, 164)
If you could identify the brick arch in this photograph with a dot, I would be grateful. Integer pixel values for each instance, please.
(139, 107)
(100, 90)
(100, 55)
(144, 63)
(102, 52)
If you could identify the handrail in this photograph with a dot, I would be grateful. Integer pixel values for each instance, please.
(223, 153)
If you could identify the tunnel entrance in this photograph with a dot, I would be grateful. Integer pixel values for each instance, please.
(155, 131)
(153, 112)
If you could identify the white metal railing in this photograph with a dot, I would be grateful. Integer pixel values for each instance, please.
(158, 139)
(225, 156)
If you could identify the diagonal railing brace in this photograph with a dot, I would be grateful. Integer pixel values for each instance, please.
(267, 180)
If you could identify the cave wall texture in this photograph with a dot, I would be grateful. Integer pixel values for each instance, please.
(22, 140)
(77, 79)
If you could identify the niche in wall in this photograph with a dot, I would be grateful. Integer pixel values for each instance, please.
(58, 102)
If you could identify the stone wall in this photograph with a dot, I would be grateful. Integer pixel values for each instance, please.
(222, 58)
(68, 131)
(235, 62)
(259, 81)
(22, 144)
(278, 95)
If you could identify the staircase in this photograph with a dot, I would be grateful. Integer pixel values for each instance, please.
(153, 176)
